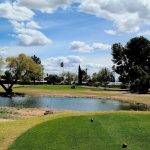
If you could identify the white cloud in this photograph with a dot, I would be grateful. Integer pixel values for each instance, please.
(101, 46)
(127, 16)
(14, 12)
(25, 28)
(47, 6)
(27, 35)
(31, 37)
(79, 46)
(28, 24)
(145, 33)
(110, 32)
(32, 25)
(71, 63)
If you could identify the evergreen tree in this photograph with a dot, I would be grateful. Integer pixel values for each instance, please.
(132, 63)
(79, 76)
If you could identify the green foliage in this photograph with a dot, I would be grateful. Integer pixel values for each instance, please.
(37, 73)
(3, 111)
(103, 76)
(53, 79)
(69, 77)
(36, 59)
(79, 76)
(82, 76)
(7, 77)
(132, 63)
(6, 114)
(85, 76)
(107, 131)
(21, 68)
(62, 64)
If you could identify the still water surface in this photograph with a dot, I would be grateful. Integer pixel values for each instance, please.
(63, 103)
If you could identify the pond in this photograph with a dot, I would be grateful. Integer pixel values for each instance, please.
(64, 103)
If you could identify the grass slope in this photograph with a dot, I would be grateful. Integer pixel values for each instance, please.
(108, 131)
(9, 131)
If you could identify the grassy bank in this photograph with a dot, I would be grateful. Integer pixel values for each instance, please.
(107, 131)
(60, 90)
(10, 130)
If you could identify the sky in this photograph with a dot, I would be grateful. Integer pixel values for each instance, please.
(76, 32)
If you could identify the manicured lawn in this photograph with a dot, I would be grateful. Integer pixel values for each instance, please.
(107, 132)
(54, 87)
(10, 130)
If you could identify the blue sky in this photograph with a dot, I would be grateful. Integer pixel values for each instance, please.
(73, 31)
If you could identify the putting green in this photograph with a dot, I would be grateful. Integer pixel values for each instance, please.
(106, 132)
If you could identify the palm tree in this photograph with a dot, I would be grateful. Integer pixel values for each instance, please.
(62, 66)
(36, 59)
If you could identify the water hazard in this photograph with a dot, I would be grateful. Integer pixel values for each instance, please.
(64, 103)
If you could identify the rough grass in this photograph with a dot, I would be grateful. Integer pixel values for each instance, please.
(108, 131)
(7, 114)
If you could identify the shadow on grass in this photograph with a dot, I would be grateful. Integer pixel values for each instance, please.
(117, 89)
(3, 94)
(109, 89)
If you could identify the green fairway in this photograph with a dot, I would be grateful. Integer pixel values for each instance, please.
(106, 132)
(54, 87)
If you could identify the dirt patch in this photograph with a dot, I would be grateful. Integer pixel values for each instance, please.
(5, 120)
(24, 113)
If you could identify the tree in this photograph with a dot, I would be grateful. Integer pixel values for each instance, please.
(79, 76)
(70, 77)
(132, 63)
(53, 79)
(36, 59)
(19, 68)
(7, 77)
(94, 77)
(62, 66)
(36, 75)
(85, 76)
(104, 76)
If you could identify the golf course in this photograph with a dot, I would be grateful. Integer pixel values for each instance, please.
(105, 131)
(65, 130)
(74, 75)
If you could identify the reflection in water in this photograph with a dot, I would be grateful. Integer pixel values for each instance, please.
(63, 103)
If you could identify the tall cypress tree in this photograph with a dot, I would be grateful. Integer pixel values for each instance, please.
(79, 76)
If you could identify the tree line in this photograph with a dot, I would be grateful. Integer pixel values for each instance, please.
(131, 63)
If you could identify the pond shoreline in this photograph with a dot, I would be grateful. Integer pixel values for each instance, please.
(15, 113)
(136, 106)
(132, 102)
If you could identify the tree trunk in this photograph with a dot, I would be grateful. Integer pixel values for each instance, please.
(34, 82)
(8, 89)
